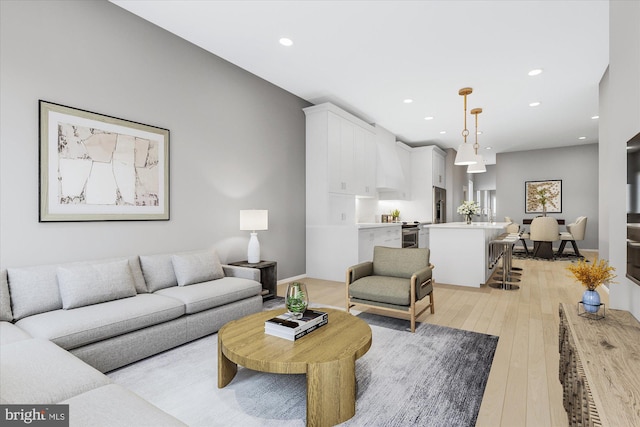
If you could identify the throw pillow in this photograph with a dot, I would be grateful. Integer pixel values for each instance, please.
(197, 267)
(5, 301)
(158, 271)
(33, 290)
(95, 283)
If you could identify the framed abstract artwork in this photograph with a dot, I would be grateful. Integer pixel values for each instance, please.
(100, 168)
(543, 196)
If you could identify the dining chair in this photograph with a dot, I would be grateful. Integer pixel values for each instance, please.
(575, 231)
(544, 231)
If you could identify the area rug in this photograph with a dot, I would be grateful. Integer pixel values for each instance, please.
(435, 377)
(521, 254)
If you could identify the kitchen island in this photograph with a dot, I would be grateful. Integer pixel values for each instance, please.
(460, 251)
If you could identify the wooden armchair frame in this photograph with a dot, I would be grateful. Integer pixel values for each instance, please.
(414, 309)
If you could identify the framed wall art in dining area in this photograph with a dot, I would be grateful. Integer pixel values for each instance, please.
(543, 196)
(95, 167)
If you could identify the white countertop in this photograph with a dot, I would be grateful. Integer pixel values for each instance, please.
(385, 224)
(473, 225)
(377, 224)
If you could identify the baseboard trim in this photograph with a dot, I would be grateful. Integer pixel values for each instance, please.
(291, 279)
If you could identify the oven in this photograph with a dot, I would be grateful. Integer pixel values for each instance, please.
(410, 234)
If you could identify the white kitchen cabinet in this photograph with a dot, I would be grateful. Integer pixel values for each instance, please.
(341, 143)
(340, 165)
(439, 174)
(423, 237)
(365, 163)
(368, 238)
(342, 209)
(427, 171)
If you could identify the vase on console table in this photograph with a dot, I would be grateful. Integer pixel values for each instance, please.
(468, 217)
(591, 301)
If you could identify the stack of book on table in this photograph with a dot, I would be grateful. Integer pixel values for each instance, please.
(285, 326)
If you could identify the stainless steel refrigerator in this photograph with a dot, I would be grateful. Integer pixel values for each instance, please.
(439, 205)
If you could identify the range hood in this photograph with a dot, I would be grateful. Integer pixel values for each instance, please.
(390, 176)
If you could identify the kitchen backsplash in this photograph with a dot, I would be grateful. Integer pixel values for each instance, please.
(370, 210)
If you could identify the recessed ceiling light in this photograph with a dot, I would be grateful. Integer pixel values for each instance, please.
(534, 104)
(595, 117)
(582, 137)
(285, 41)
(535, 72)
(488, 148)
(442, 132)
(408, 101)
(479, 132)
(429, 118)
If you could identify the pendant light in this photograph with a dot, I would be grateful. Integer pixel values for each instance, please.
(465, 155)
(479, 166)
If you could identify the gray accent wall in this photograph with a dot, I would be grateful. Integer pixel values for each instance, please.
(576, 166)
(237, 141)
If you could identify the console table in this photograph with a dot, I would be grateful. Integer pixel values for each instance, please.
(600, 368)
(268, 276)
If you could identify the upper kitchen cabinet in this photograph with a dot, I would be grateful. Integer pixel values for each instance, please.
(366, 161)
(427, 171)
(439, 168)
(340, 151)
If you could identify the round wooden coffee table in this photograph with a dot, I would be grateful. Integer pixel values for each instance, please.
(327, 356)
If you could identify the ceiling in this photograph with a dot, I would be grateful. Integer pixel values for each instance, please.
(369, 56)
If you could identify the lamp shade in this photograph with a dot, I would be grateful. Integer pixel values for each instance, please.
(466, 155)
(254, 219)
(477, 167)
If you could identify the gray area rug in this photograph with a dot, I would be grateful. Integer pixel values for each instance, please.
(435, 377)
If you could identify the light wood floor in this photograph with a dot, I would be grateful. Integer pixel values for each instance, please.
(523, 387)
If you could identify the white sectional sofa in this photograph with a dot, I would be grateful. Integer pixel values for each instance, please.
(79, 320)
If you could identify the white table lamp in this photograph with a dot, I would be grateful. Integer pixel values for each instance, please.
(254, 220)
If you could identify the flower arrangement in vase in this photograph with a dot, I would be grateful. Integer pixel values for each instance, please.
(591, 276)
(468, 208)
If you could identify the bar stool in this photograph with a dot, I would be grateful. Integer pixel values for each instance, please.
(508, 277)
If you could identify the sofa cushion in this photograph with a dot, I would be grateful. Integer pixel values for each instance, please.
(114, 405)
(11, 333)
(84, 325)
(206, 295)
(158, 271)
(197, 267)
(35, 289)
(399, 262)
(38, 371)
(94, 283)
(5, 300)
(390, 290)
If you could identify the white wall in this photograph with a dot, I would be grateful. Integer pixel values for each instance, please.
(237, 142)
(576, 166)
(619, 122)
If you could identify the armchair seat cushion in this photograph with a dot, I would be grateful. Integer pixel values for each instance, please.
(386, 289)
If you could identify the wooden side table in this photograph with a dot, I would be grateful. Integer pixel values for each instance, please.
(268, 276)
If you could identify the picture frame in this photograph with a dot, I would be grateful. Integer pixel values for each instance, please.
(553, 192)
(95, 167)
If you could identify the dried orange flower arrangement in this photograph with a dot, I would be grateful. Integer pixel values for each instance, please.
(592, 275)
